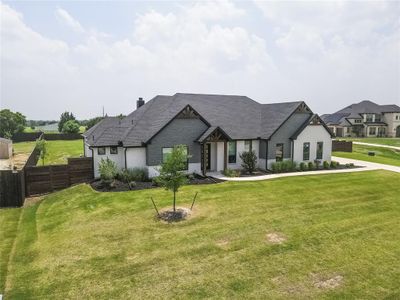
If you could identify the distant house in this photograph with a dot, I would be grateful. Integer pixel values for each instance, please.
(365, 119)
(215, 130)
(5, 148)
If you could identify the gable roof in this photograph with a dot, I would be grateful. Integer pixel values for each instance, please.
(355, 110)
(310, 121)
(238, 116)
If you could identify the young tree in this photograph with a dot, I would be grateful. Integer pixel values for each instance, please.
(65, 116)
(11, 123)
(249, 161)
(41, 145)
(171, 175)
(70, 126)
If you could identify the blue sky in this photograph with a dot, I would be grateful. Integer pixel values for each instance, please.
(82, 55)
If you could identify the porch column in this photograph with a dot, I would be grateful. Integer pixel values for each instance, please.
(203, 159)
(225, 155)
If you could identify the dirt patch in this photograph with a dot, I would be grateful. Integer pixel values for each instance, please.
(169, 216)
(32, 201)
(327, 283)
(276, 238)
(222, 242)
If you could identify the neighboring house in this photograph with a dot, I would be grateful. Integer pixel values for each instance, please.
(5, 148)
(215, 130)
(365, 119)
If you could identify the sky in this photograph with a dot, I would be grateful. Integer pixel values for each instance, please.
(79, 56)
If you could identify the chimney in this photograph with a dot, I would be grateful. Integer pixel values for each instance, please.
(139, 103)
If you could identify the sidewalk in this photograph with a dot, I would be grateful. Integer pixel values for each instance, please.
(366, 166)
(377, 145)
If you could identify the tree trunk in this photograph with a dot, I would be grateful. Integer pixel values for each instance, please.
(174, 200)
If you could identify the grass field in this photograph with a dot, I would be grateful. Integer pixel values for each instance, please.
(382, 155)
(381, 141)
(58, 151)
(79, 243)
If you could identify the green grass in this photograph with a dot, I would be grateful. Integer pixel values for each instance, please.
(8, 231)
(58, 151)
(79, 243)
(382, 155)
(381, 141)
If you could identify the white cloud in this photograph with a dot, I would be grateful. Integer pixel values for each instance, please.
(68, 20)
(328, 55)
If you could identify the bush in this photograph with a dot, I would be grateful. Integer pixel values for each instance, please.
(249, 161)
(283, 166)
(333, 164)
(311, 165)
(108, 171)
(134, 174)
(317, 164)
(231, 173)
(326, 164)
(70, 126)
(303, 166)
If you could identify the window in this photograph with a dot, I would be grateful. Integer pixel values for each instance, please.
(369, 117)
(372, 130)
(306, 151)
(357, 121)
(247, 146)
(279, 152)
(113, 150)
(377, 118)
(101, 151)
(167, 151)
(232, 152)
(397, 117)
(320, 149)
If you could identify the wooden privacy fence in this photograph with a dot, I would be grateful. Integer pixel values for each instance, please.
(45, 179)
(342, 146)
(33, 136)
(12, 188)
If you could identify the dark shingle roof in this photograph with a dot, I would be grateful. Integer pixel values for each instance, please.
(353, 111)
(238, 116)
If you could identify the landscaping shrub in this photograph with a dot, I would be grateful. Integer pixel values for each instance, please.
(283, 166)
(231, 173)
(311, 165)
(333, 164)
(303, 166)
(108, 171)
(317, 164)
(249, 161)
(134, 174)
(326, 164)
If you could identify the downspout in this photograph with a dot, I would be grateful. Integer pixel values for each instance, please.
(125, 158)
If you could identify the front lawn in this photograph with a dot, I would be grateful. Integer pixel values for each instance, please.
(341, 239)
(379, 141)
(382, 155)
(58, 151)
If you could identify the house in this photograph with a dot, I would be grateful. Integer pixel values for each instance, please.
(5, 148)
(215, 130)
(365, 119)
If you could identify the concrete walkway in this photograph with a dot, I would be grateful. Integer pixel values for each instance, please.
(377, 145)
(365, 166)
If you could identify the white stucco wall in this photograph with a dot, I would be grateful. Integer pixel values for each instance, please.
(88, 151)
(136, 157)
(313, 134)
(240, 149)
(192, 168)
(220, 156)
(118, 158)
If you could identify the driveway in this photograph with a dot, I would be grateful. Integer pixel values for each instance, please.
(366, 166)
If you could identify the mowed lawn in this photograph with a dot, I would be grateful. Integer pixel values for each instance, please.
(380, 141)
(78, 243)
(58, 151)
(382, 155)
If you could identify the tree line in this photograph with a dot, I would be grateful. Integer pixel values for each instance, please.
(15, 122)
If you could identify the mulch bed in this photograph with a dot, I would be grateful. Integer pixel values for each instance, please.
(120, 186)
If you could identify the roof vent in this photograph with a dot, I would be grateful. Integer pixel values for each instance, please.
(139, 103)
